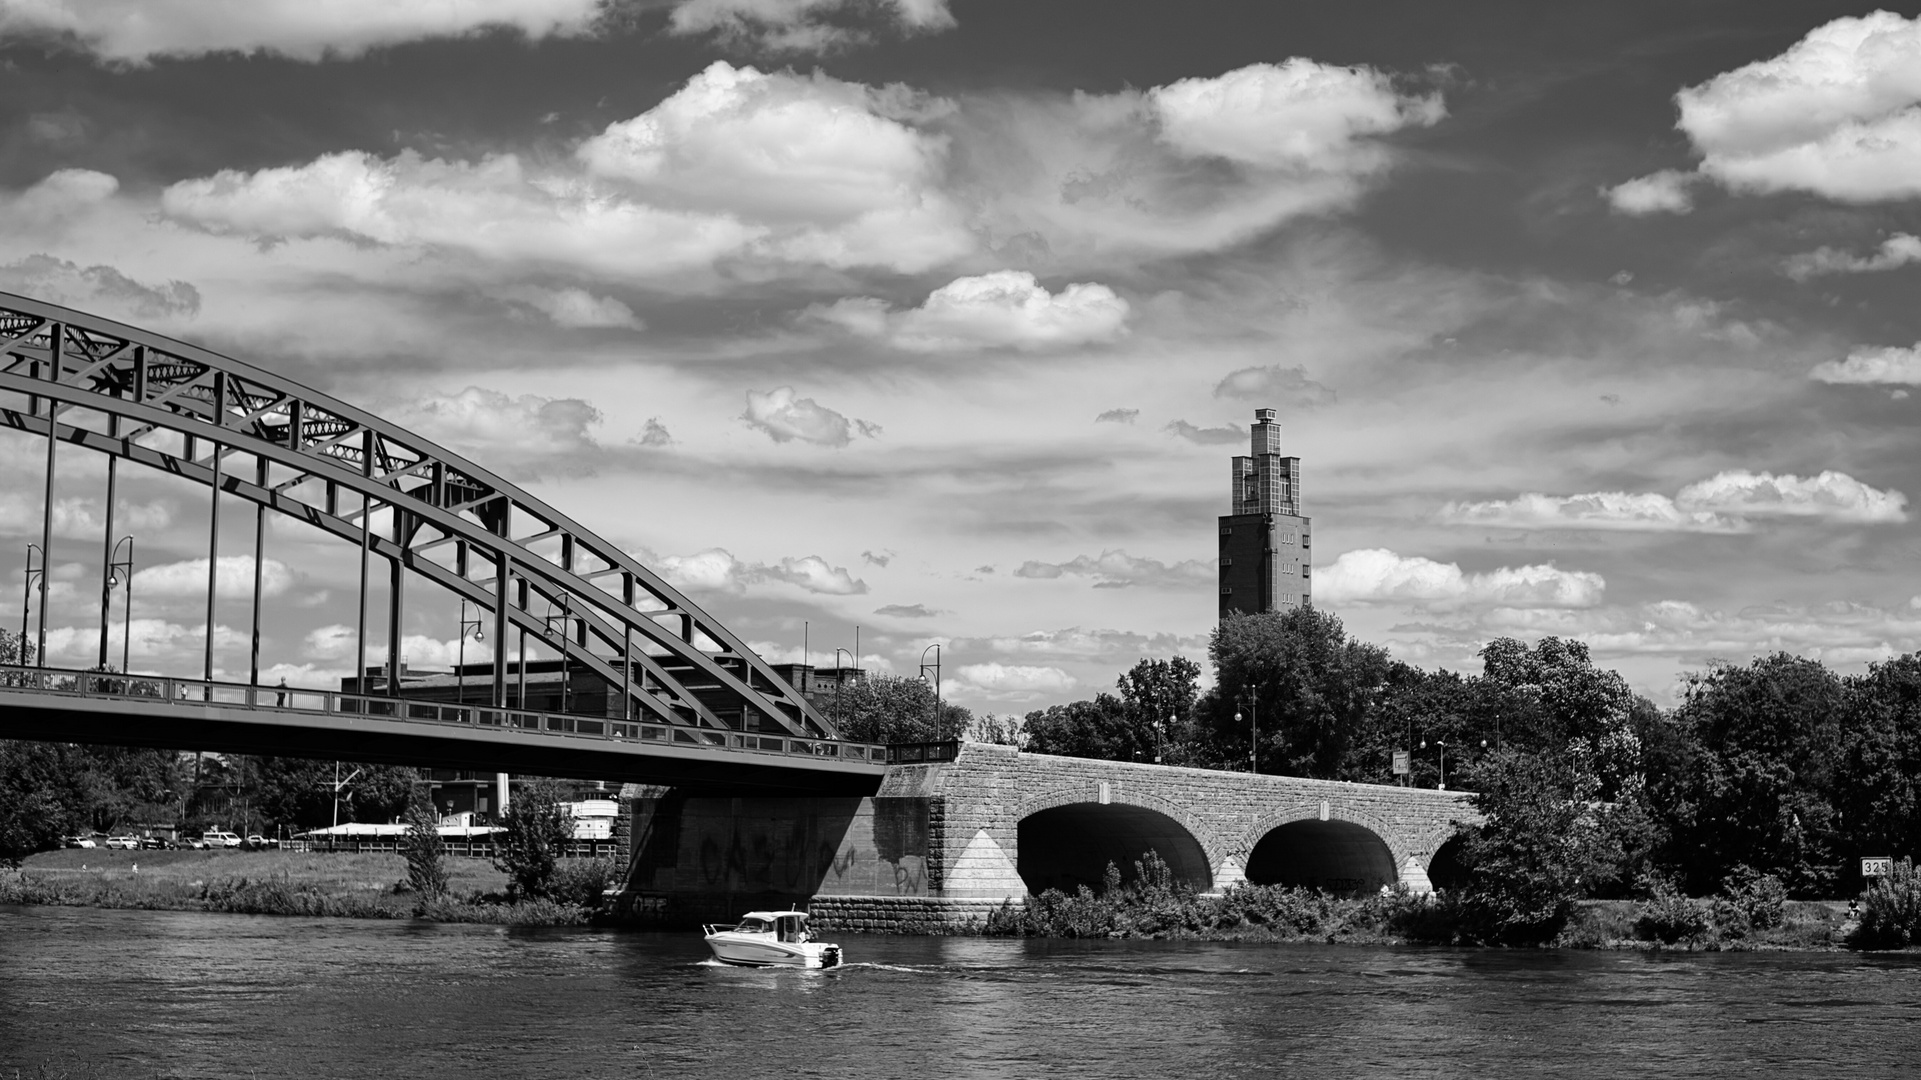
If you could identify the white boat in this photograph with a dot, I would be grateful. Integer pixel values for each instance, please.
(770, 939)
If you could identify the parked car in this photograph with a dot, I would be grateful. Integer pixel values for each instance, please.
(79, 841)
(123, 843)
(256, 842)
(220, 838)
(155, 843)
(195, 844)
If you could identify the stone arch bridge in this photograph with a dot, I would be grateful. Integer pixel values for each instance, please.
(942, 841)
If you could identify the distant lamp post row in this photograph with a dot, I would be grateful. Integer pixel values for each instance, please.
(1253, 728)
(117, 570)
(1441, 783)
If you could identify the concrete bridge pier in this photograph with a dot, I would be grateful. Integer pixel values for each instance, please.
(942, 843)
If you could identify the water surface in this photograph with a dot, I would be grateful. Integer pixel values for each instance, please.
(87, 992)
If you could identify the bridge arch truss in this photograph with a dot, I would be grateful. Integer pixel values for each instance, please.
(427, 512)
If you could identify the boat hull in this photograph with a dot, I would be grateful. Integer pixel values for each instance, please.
(757, 950)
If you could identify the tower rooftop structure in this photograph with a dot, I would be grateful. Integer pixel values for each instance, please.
(1265, 540)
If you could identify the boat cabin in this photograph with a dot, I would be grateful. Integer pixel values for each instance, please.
(788, 926)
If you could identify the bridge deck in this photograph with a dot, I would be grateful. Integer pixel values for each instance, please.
(189, 714)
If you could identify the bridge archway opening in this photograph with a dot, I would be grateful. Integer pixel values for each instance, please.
(1338, 856)
(1447, 870)
(1065, 847)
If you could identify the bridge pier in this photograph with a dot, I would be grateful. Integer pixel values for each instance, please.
(946, 842)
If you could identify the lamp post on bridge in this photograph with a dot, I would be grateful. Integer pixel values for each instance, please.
(467, 626)
(26, 602)
(566, 619)
(924, 665)
(115, 567)
(840, 679)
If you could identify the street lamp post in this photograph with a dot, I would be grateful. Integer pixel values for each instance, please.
(467, 626)
(26, 600)
(924, 665)
(1160, 733)
(1441, 784)
(1253, 728)
(839, 678)
(115, 567)
(566, 618)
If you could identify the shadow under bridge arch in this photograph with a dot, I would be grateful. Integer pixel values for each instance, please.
(1065, 847)
(1339, 856)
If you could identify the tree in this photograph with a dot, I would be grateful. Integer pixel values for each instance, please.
(1309, 687)
(39, 801)
(1161, 695)
(1760, 786)
(1878, 789)
(537, 830)
(1104, 728)
(1545, 838)
(893, 709)
(423, 847)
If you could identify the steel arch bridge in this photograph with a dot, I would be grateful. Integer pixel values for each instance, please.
(425, 511)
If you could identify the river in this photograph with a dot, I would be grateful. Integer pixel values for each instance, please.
(87, 993)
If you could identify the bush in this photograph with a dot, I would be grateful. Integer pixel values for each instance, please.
(1890, 912)
(1670, 918)
(1758, 901)
(582, 883)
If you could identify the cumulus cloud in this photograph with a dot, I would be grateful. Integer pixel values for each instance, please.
(1116, 569)
(1891, 364)
(577, 308)
(100, 290)
(1838, 114)
(717, 570)
(481, 419)
(909, 611)
(136, 31)
(1196, 165)
(1214, 436)
(188, 578)
(1379, 576)
(1832, 495)
(833, 171)
(1289, 386)
(1015, 679)
(1118, 416)
(801, 26)
(877, 558)
(1665, 192)
(1723, 503)
(1895, 252)
(1297, 116)
(1836, 633)
(786, 417)
(1602, 510)
(737, 172)
(1003, 309)
(815, 575)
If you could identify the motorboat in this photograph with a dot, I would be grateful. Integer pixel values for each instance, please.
(770, 939)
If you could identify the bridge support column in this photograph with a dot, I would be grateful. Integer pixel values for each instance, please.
(1414, 876)
(502, 791)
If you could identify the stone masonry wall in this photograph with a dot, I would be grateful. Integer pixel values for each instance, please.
(987, 790)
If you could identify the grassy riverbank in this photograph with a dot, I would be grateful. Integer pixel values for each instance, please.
(348, 885)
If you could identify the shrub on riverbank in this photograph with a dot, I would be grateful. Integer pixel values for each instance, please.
(1890, 912)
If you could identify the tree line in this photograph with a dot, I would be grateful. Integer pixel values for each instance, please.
(1777, 767)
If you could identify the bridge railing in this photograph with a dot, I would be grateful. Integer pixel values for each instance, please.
(291, 700)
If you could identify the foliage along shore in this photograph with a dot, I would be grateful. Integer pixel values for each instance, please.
(1754, 914)
(330, 885)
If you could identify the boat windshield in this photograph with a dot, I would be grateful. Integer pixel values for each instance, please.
(754, 926)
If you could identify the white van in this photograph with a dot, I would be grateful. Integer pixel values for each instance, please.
(220, 838)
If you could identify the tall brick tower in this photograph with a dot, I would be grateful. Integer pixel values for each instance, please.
(1265, 561)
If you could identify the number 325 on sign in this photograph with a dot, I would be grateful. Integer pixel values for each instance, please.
(1878, 866)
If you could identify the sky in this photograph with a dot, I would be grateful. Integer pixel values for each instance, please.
(943, 318)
